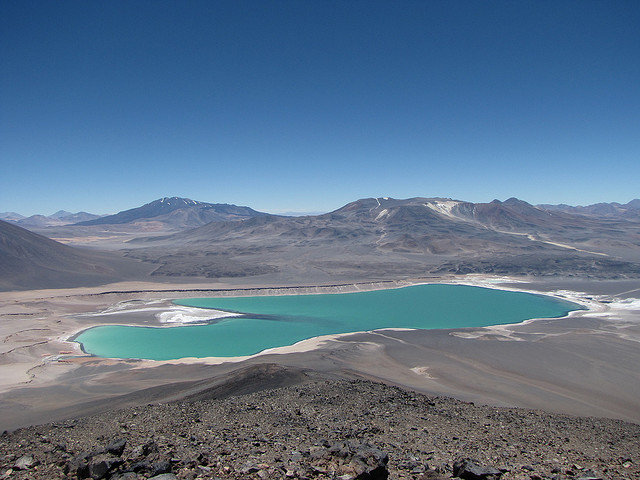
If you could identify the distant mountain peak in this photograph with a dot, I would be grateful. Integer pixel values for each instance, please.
(60, 214)
(514, 201)
(11, 216)
(177, 213)
(176, 201)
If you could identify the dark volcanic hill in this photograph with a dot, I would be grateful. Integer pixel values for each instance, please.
(178, 213)
(29, 261)
(383, 236)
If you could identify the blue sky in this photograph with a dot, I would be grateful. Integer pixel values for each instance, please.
(307, 105)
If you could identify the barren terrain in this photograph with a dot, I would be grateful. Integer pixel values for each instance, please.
(316, 428)
(584, 364)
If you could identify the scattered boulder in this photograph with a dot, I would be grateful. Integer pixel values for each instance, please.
(160, 467)
(470, 469)
(142, 466)
(431, 475)
(409, 463)
(164, 476)
(149, 448)
(24, 462)
(98, 468)
(94, 465)
(370, 463)
(125, 476)
(250, 468)
(347, 461)
(77, 466)
(117, 447)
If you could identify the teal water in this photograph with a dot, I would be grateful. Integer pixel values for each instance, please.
(269, 322)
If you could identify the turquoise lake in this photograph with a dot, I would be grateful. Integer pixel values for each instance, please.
(269, 322)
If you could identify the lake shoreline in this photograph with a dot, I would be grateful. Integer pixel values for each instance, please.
(484, 281)
(42, 371)
(239, 326)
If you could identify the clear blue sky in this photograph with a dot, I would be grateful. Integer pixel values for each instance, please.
(307, 105)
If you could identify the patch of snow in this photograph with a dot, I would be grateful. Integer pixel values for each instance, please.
(444, 208)
(382, 214)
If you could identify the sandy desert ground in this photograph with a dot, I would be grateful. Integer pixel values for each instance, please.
(585, 364)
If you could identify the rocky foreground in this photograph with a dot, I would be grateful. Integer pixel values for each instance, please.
(324, 430)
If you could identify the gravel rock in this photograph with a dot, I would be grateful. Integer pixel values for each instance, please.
(343, 430)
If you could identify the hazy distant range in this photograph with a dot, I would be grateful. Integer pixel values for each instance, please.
(176, 239)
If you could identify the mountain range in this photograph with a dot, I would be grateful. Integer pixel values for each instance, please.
(382, 237)
(175, 213)
(628, 210)
(416, 225)
(59, 218)
(181, 213)
(368, 239)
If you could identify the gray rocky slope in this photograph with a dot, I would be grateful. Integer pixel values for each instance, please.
(30, 261)
(375, 238)
(324, 429)
(370, 239)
